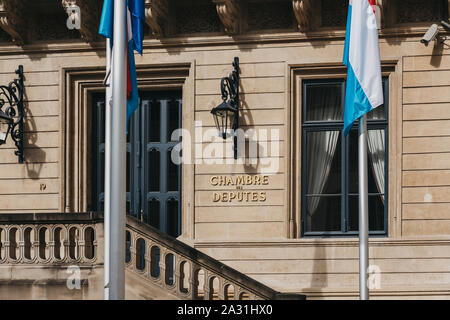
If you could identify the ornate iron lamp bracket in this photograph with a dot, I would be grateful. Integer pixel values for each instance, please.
(230, 86)
(230, 91)
(11, 104)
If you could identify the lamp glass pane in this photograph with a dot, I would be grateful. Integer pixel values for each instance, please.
(4, 128)
(231, 116)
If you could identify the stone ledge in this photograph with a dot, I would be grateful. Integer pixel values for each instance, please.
(46, 282)
(46, 218)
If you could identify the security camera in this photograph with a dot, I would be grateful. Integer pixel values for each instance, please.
(430, 35)
(446, 25)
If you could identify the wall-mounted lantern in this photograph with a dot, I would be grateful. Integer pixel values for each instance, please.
(226, 114)
(11, 113)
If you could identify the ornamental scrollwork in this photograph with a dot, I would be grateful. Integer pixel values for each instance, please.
(11, 103)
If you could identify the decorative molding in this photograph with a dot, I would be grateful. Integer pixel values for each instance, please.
(79, 85)
(228, 11)
(157, 16)
(88, 17)
(298, 73)
(12, 20)
(303, 14)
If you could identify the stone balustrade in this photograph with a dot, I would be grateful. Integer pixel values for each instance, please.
(186, 272)
(56, 239)
(49, 238)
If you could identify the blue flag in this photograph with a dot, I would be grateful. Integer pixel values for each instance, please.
(135, 37)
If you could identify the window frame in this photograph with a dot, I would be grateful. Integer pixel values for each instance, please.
(138, 146)
(75, 121)
(314, 126)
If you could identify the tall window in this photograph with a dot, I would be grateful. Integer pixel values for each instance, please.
(153, 181)
(330, 163)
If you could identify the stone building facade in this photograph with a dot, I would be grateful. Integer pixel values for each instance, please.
(257, 214)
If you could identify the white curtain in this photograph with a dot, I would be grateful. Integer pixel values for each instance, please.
(324, 104)
(375, 142)
(321, 148)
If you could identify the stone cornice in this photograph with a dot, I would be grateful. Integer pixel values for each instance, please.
(12, 20)
(192, 42)
(326, 242)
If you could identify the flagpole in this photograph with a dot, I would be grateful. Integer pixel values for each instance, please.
(118, 155)
(363, 209)
(107, 184)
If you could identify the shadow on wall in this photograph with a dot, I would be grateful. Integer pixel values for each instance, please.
(246, 122)
(259, 150)
(33, 155)
(319, 269)
(436, 57)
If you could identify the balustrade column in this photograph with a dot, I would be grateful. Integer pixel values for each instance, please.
(34, 250)
(66, 244)
(193, 279)
(148, 259)
(221, 289)
(20, 240)
(82, 244)
(162, 266)
(207, 287)
(177, 279)
(133, 239)
(2, 245)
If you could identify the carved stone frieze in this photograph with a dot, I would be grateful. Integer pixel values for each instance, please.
(85, 16)
(228, 11)
(157, 16)
(12, 20)
(303, 14)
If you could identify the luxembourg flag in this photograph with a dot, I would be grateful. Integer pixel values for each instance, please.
(135, 35)
(364, 90)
